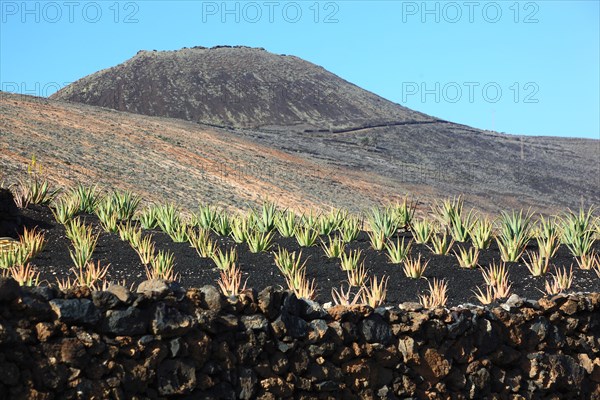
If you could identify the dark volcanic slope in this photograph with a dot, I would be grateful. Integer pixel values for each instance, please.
(235, 86)
(493, 170)
(297, 108)
(169, 159)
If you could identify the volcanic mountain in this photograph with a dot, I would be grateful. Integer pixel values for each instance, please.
(285, 128)
(236, 87)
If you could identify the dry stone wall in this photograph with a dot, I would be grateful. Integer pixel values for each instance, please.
(166, 342)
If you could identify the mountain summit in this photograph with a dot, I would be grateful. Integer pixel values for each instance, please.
(238, 87)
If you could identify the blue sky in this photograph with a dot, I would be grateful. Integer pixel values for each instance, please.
(521, 67)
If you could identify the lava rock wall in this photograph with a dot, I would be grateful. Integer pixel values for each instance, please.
(166, 342)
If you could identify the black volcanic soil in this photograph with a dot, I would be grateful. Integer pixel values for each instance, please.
(259, 269)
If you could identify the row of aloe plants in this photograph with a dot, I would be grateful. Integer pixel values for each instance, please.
(449, 224)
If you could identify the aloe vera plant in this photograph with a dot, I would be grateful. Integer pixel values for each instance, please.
(162, 267)
(404, 213)
(422, 231)
(333, 248)
(377, 240)
(265, 221)
(461, 226)
(514, 235)
(221, 224)
(35, 189)
(325, 225)
(481, 233)
(578, 231)
(200, 240)
(126, 203)
(86, 197)
(168, 218)
(350, 260)
(414, 267)
(259, 241)
(64, 209)
(308, 220)
(383, 221)
(288, 263)
(149, 217)
(239, 229)
(225, 259)
(108, 214)
(440, 244)
(398, 251)
(205, 217)
(349, 229)
(286, 223)
(467, 258)
(449, 211)
(306, 237)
